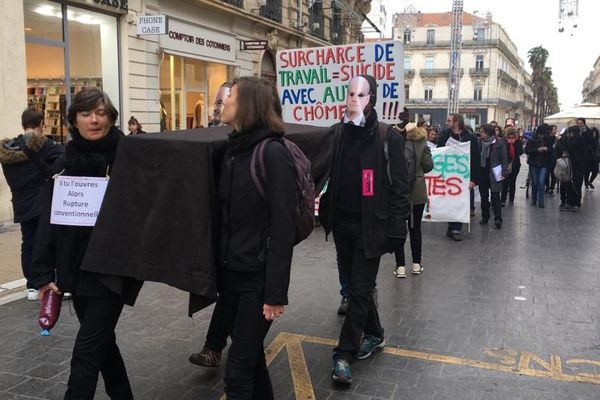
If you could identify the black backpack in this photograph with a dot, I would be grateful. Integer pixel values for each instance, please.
(304, 218)
(410, 155)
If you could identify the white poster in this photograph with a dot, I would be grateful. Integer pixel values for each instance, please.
(313, 82)
(448, 184)
(76, 200)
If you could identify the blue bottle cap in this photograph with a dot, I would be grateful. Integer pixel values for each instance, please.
(45, 332)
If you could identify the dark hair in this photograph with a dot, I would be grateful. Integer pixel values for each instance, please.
(88, 99)
(258, 105)
(489, 129)
(511, 131)
(458, 118)
(542, 130)
(133, 121)
(31, 118)
(581, 119)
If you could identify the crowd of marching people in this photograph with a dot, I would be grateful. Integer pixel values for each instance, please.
(374, 201)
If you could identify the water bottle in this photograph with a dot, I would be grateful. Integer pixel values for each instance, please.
(50, 311)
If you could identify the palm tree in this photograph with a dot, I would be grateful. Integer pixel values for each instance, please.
(537, 57)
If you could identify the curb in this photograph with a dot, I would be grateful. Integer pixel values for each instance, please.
(12, 291)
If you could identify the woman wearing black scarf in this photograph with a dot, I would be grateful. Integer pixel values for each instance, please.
(61, 248)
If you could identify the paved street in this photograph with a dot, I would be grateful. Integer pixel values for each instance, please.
(510, 314)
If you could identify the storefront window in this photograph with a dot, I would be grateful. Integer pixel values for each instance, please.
(92, 48)
(187, 89)
(43, 19)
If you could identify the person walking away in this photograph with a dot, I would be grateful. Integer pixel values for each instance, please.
(456, 133)
(494, 170)
(90, 153)
(538, 157)
(574, 144)
(365, 206)
(26, 163)
(590, 138)
(417, 138)
(514, 147)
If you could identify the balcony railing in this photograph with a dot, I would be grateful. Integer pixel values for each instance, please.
(507, 78)
(465, 102)
(237, 3)
(479, 71)
(272, 10)
(409, 73)
(430, 73)
(440, 44)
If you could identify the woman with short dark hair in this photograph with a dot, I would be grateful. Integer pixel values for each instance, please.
(257, 239)
(90, 153)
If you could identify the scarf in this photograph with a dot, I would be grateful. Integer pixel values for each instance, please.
(511, 148)
(486, 146)
(91, 157)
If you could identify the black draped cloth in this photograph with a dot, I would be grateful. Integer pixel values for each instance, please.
(160, 214)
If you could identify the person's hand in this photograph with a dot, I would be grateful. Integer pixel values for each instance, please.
(471, 185)
(271, 312)
(51, 286)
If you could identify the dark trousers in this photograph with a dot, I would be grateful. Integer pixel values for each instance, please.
(416, 237)
(343, 277)
(28, 229)
(96, 350)
(509, 186)
(240, 306)
(362, 316)
(484, 190)
(457, 226)
(573, 189)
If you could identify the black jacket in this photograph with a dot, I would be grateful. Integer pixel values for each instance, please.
(61, 247)
(516, 162)
(575, 145)
(385, 213)
(536, 158)
(27, 176)
(465, 136)
(258, 234)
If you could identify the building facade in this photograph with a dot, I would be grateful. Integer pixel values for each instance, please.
(493, 82)
(54, 48)
(591, 85)
(378, 16)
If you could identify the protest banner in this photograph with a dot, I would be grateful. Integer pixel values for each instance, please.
(313, 82)
(448, 184)
(76, 200)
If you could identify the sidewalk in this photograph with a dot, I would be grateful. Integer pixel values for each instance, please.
(11, 275)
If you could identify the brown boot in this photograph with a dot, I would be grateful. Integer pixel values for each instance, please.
(206, 358)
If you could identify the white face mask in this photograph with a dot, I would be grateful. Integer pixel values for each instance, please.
(357, 98)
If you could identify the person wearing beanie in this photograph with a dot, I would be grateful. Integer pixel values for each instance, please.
(365, 207)
(538, 150)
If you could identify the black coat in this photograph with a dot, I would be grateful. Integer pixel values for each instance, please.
(536, 158)
(27, 177)
(258, 234)
(385, 213)
(515, 162)
(575, 146)
(59, 249)
(465, 136)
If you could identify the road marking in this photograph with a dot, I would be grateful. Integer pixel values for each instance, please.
(510, 361)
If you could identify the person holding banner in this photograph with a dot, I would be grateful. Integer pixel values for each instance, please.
(90, 153)
(417, 138)
(494, 170)
(453, 135)
(366, 207)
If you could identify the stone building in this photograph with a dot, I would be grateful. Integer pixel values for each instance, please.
(493, 82)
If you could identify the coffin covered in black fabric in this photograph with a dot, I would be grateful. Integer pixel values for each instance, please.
(159, 217)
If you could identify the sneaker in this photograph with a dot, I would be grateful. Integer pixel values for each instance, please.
(484, 221)
(341, 371)
(32, 294)
(563, 207)
(541, 205)
(416, 269)
(400, 272)
(343, 308)
(498, 223)
(573, 209)
(67, 296)
(368, 346)
(206, 358)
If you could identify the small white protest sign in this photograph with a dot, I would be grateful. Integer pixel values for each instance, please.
(76, 200)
